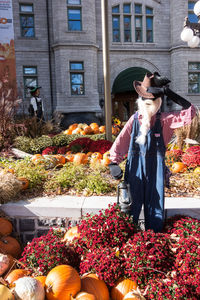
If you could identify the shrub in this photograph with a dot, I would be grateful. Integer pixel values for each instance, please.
(38, 144)
(109, 228)
(48, 251)
(191, 157)
(172, 156)
(23, 143)
(148, 256)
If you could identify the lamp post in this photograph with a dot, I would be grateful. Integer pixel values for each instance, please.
(191, 31)
(106, 69)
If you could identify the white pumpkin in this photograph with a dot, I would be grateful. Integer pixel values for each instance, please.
(5, 293)
(4, 263)
(28, 288)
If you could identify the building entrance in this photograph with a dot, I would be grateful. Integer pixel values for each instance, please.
(123, 93)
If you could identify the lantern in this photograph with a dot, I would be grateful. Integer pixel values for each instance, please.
(124, 198)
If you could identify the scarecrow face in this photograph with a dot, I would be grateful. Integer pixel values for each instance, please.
(152, 106)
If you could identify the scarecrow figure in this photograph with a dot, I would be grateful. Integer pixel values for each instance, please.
(144, 137)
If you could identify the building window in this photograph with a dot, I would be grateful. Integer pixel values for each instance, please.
(191, 15)
(194, 77)
(30, 78)
(74, 15)
(77, 78)
(149, 24)
(27, 20)
(138, 22)
(116, 23)
(127, 22)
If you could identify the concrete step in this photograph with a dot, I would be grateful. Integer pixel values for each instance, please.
(74, 207)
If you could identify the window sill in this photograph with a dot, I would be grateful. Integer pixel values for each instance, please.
(133, 43)
(193, 94)
(26, 38)
(75, 31)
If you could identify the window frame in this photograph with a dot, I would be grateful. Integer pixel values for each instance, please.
(74, 7)
(138, 15)
(29, 76)
(77, 71)
(26, 14)
(116, 15)
(195, 71)
(127, 15)
(151, 16)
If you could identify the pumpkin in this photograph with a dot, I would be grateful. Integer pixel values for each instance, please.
(102, 129)
(28, 288)
(62, 282)
(76, 131)
(96, 130)
(5, 293)
(15, 275)
(88, 130)
(89, 154)
(24, 181)
(197, 170)
(69, 157)
(42, 279)
(5, 227)
(60, 158)
(94, 126)
(10, 171)
(85, 296)
(80, 158)
(71, 234)
(82, 132)
(178, 167)
(36, 157)
(122, 287)
(73, 126)
(91, 284)
(10, 245)
(96, 155)
(67, 131)
(115, 130)
(106, 159)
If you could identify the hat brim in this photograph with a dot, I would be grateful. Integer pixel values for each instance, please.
(142, 90)
(32, 90)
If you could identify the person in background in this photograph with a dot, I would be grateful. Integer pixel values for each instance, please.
(36, 107)
(144, 137)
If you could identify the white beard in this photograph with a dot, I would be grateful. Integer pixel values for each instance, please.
(147, 108)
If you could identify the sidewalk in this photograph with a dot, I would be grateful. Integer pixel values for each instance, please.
(75, 207)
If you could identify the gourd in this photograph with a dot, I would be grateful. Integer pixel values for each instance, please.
(28, 288)
(5, 293)
(122, 287)
(71, 234)
(24, 181)
(5, 227)
(62, 282)
(91, 284)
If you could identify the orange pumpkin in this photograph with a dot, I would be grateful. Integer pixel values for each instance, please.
(68, 131)
(91, 284)
(36, 157)
(102, 129)
(80, 158)
(82, 132)
(115, 130)
(76, 131)
(89, 154)
(5, 227)
(85, 296)
(88, 130)
(16, 274)
(96, 155)
(96, 130)
(73, 126)
(94, 126)
(60, 158)
(106, 159)
(42, 279)
(10, 171)
(10, 245)
(69, 157)
(121, 288)
(24, 181)
(62, 282)
(71, 234)
(178, 167)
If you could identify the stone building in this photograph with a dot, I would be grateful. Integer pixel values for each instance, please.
(58, 45)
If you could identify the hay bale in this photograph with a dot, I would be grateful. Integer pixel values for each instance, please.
(9, 186)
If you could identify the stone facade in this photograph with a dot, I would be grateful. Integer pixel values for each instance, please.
(54, 47)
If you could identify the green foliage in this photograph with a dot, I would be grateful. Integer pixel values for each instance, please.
(23, 143)
(60, 140)
(39, 144)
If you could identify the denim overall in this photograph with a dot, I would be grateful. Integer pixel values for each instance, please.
(145, 171)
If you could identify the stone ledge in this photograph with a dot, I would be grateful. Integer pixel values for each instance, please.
(75, 207)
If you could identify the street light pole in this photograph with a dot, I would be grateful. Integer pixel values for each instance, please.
(106, 69)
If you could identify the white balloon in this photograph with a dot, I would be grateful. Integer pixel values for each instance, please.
(194, 42)
(197, 8)
(186, 34)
